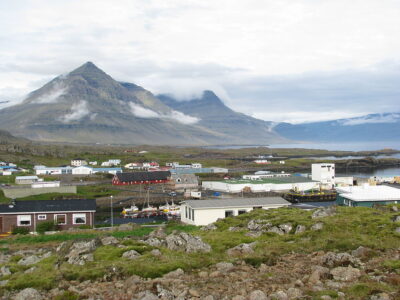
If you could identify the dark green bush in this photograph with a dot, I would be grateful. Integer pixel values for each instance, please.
(42, 227)
(20, 230)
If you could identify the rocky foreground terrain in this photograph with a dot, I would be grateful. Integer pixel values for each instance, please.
(332, 253)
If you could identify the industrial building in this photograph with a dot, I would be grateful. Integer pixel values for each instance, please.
(324, 173)
(204, 212)
(367, 195)
(296, 183)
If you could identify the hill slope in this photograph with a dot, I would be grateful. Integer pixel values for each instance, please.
(374, 127)
(216, 116)
(88, 106)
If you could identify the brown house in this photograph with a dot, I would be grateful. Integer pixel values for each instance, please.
(66, 213)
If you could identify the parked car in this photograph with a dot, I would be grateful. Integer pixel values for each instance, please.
(173, 194)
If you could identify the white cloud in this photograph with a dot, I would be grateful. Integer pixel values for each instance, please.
(389, 118)
(78, 111)
(182, 47)
(142, 112)
(182, 118)
(52, 96)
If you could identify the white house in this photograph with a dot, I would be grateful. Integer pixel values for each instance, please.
(114, 162)
(77, 162)
(43, 170)
(324, 173)
(82, 170)
(204, 212)
(45, 184)
(93, 163)
(367, 195)
(197, 165)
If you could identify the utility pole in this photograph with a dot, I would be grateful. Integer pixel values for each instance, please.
(112, 215)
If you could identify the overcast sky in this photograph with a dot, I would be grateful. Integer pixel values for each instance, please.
(279, 60)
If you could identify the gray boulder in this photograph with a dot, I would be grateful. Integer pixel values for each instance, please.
(324, 212)
(29, 260)
(5, 271)
(109, 240)
(258, 225)
(279, 295)
(395, 208)
(276, 230)
(242, 249)
(155, 242)
(81, 252)
(224, 267)
(28, 294)
(286, 228)
(345, 273)
(317, 226)
(209, 227)
(174, 274)
(300, 229)
(332, 259)
(131, 254)
(380, 296)
(396, 219)
(257, 295)
(185, 242)
(397, 230)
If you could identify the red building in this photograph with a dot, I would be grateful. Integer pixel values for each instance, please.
(141, 178)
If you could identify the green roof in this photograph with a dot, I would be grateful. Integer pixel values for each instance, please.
(276, 180)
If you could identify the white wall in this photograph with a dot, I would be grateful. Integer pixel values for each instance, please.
(237, 188)
(82, 171)
(210, 215)
(324, 173)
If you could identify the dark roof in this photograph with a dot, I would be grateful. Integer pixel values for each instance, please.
(143, 176)
(236, 202)
(49, 206)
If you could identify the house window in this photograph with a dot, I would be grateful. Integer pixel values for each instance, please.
(79, 218)
(60, 219)
(241, 211)
(24, 220)
(228, 213)
(186, 212)
(192, 214)
(42, 217)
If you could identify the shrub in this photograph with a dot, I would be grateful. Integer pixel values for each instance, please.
(42, 227)
(20, 230)
(67, 295)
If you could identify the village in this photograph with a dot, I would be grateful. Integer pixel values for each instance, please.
(148, 192)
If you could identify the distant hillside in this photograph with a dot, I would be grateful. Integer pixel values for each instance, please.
(216, 116)
(88, 106)
(374, 127)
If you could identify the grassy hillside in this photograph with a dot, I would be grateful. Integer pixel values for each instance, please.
(349, 229)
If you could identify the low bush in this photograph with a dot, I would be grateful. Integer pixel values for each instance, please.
(20, 230)
(42, 227)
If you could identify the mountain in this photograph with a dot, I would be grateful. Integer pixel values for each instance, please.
(89, 106)
(216, 116)
(373, 127)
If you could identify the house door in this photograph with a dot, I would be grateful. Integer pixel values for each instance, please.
(1, 224)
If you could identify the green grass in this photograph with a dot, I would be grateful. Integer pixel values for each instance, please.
(65, 236)
(349, 229)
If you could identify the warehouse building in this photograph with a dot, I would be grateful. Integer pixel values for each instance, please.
(296, 183)
(204, 212)
(367, 195)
